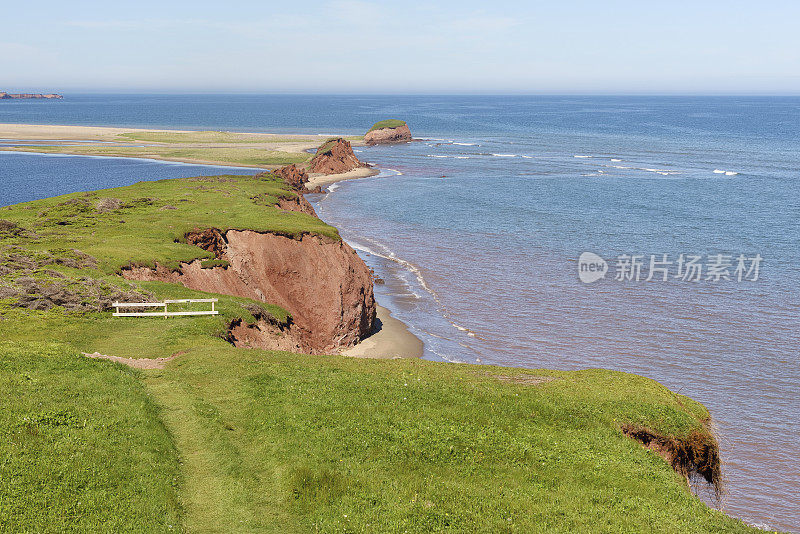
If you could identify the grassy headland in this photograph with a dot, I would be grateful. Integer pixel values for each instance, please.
(238, 440)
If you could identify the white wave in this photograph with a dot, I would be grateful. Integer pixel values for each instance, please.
(718, 171)
(333, 187)
(613, 159)
(527, 157)
(505, 155)
(577, 156)
(434, 156)
(462, 157)
(465, 144)
(730, 173)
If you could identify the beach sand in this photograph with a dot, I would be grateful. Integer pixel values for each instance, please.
(327, 179)
(390, 339)
(158, 144)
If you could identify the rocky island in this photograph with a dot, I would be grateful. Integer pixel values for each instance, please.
(387, 132)
(29, 96)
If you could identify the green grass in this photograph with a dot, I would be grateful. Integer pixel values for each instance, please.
(237, 440)
(82, 446)
(154, 215)
(306, 444)
(248, 157)
(388, 123)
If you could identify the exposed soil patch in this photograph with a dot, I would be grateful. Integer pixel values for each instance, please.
(696, 454)
(136, 363)
(210, 239)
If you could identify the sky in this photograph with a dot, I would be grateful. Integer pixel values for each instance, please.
(358, 46)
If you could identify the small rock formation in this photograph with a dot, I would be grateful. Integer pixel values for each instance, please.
(388, 132)
(293, 175)
(335, 156)
(297, 179)
(7, 96)
(322, 283)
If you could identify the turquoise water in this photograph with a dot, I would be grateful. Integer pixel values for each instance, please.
(477, 230)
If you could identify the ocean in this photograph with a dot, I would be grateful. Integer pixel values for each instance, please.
(478, 227)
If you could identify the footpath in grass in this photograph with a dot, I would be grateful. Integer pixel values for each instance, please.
(277, 442)
(82, 446)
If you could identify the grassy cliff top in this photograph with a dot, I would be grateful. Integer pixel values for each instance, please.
(236, 440)
(388, 123)
(146, 222)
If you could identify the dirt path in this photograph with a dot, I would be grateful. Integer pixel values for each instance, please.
(136, 363)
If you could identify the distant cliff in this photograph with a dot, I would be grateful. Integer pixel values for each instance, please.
(387, 132)
(7, 96)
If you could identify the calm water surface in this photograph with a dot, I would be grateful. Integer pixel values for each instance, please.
(477, 230)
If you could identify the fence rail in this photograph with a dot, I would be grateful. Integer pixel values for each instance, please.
(164, 304)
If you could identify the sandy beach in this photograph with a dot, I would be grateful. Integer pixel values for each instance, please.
(328, 179)
(391, 339)
(240, 149)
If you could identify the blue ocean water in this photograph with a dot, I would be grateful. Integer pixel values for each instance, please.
(478, 227)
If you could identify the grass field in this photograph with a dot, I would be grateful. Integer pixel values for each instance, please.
(237, 440)
(83, 447)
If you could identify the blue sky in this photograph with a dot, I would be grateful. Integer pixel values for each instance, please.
(405, 47)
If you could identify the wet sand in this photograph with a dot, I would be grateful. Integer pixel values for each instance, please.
(328, 179)
(390, 339)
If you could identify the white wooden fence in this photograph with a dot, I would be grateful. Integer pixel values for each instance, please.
(162, 313)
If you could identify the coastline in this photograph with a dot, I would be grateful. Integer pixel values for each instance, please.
(200, 147)
(390, 338)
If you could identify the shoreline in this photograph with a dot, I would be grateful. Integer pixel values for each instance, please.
(391, 340)
(393, 337)
(258, 150)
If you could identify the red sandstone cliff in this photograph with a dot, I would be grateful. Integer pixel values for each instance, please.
(293, 175)
(322, 283)
(334, 157)
(385, 136)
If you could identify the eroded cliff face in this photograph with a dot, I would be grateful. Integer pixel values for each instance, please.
(297, 179)
(334, 157)
(293, 175)
(385, 136)
(322, 283)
